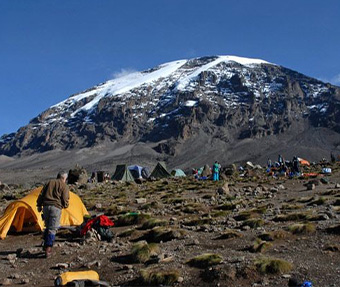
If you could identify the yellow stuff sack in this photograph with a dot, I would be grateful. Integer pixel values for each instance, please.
(68, 277)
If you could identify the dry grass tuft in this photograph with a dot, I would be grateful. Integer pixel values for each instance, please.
(292, 217)
(142, 251)
(229, 234)
(260, 246)
(267, 265)
(159, 234)
(127, 232)
(302, 228)
(154, 277)
(254, 222)
(153, 222)
(205, 260)
(132, 218)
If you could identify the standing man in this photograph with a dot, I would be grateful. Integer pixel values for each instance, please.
(216, 170)
(53, 198)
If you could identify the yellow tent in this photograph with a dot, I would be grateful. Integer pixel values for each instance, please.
(23, 215)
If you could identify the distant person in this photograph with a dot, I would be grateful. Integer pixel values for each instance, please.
(296, 165)
(93, 177)
(269, 163)
(216, 170)
(280, 160)
(53, 198)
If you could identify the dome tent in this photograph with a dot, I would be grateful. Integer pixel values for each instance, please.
(22, 214)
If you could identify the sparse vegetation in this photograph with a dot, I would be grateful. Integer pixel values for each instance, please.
(292, 217)
(142, 251)
(266, 265)
(260, 246)
(155, 277)
(132, 218)
(159, 234)
(229, 234)
(254, 222)
(153, 222)
(205, 260)
(302, 228)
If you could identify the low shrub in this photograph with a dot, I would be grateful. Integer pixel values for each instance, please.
(302, 228)
(253, 222)
(154, 277)
(267, 265)
(205, 260)
(260, 246)
(229, 234)
(153, 222)
(142, 251)
(132, 218)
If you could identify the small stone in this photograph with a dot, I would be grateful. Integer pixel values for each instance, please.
(11, 257)
(98, 205)
(62, 265)
(310, 186)
(286, 276)
(141, 200)
(25, 281)
(180, 279)
(128, 267)
(337, 185)
(15, 276)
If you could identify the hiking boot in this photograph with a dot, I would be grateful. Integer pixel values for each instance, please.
(48, 252)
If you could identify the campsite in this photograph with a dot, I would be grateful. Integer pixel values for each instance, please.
(248, 229)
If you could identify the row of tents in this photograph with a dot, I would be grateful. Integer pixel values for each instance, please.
(22, 215)
(133, 172)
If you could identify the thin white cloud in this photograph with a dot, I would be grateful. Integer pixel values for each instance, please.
(123, 73)
(335, 80)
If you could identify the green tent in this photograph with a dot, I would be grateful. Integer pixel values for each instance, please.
(177, 172)
(160, 171)
(122, 173)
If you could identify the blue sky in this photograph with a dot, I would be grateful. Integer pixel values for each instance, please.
(51, 49)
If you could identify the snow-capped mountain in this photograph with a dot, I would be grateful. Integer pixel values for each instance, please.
(222, 99)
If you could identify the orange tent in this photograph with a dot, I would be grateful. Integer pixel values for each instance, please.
(23, 215)
(303, 161)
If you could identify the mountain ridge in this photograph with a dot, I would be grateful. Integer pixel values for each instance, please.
(216, 99)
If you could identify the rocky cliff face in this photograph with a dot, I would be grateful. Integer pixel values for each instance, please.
(223, 97)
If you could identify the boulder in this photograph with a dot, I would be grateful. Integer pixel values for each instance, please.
(77, 175)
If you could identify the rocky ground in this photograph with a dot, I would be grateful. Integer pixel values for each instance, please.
(252, 231)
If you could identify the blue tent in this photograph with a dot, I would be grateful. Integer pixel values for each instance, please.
(138, 171)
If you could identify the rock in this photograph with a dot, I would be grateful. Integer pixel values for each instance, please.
(12, 257)
(127, 267)
(4, 187)
(62, 265)
(274, 189)
(98, 206)
(224, 189)
(93, 263)
(25, 281)
(281, 186)
(140, 200)
(337, 185)
(6, 282)
(310, 186)
(180, 279)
